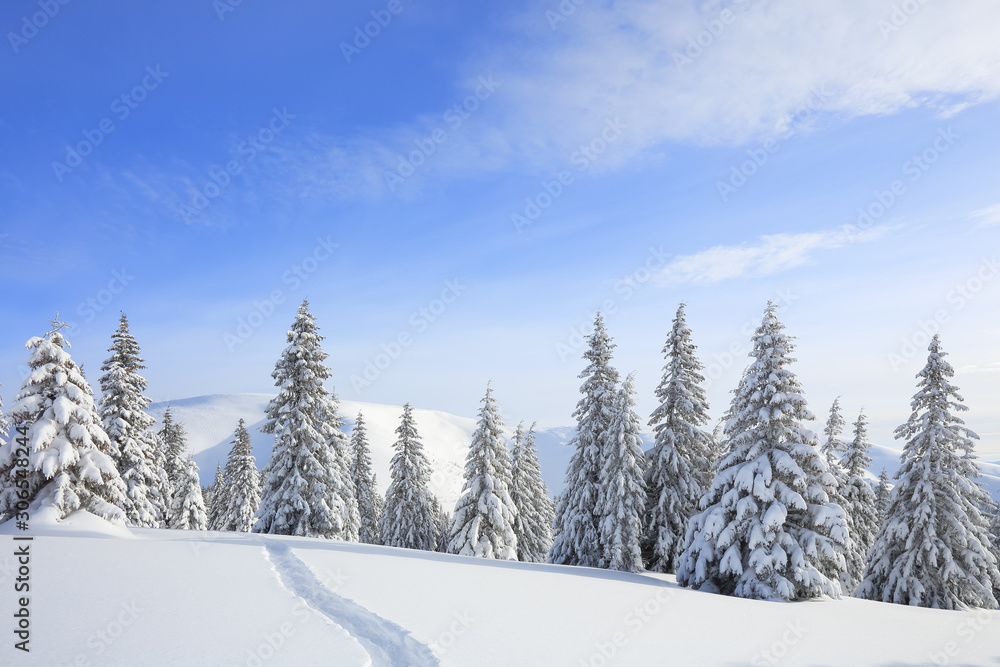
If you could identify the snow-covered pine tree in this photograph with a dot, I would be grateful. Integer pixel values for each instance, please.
(365, 492)
(535, 509)
(933, 547)
(680, 463)
(174, 439)
(442, 525)
(833, 449)
(408, 518)
(307, 490)
(69, 464)
(621, 496)
(882, 495)
(126, 420)
(242, 485)
(483, 520)
(576, 540)
(768, 530)
(217, 499)
(860, 504)
(187, 509)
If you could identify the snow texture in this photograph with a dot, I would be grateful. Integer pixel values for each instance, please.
(387, 643)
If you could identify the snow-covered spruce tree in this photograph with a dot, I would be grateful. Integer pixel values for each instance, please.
(535, 510)
(242, 485)
(174, 443)
(576, 540)
(933, 548)
(483, 520)
(408, 514)
(365, 492)
(882, 495)
(442, 525)
(216, 500)
(307, 490)
(69, 463)
(680, 462)
(768, 530)
(187, 509)
(134, 446)
(860, 503)
(833, 447)
(621, 496)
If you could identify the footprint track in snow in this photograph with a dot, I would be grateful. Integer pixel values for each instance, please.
(388, 644)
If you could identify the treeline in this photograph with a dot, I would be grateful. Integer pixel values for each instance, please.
(761, 507)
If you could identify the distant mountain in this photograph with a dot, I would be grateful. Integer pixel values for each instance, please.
(211, 420)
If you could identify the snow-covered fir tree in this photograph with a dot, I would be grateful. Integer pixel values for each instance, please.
(832, 449)
(365, 492)
(621, 496)
(408, 517)
(187, 509)
(860, 506)
(933, 547)
(442, 525)
(216, 500)
(768, 530)
(242, 485)
(134, 445)
(173, 439)
(680, 462)
(483, 520)
(882, 493)
(576, 537)
(69, 464)
(833, 446)
(308, 489)
(535, 509)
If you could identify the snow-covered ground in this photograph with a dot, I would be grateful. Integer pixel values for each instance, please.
(107, 596)
(211, 420)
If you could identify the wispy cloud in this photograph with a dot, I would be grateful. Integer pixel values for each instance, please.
(987, 217)
(728, 72)
(771, 254)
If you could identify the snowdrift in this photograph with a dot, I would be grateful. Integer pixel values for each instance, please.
(203, 598)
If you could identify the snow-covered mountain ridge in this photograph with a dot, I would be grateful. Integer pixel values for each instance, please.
(211, 420)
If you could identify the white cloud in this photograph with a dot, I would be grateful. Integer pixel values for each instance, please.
(776, 66)
(987, 217)
(770, 254)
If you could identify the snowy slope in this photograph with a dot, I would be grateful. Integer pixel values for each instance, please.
(198, 598)
(211, 420)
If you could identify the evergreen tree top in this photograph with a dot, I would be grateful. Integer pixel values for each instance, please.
(856, 459)
(933, 404)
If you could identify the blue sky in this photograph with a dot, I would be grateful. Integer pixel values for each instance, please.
(475, 181)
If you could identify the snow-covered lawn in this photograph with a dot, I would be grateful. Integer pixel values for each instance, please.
(111, 596)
